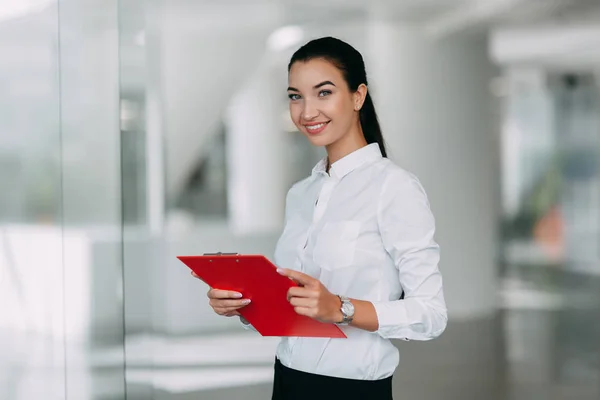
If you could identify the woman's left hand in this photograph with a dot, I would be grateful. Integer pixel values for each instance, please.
(312, 298)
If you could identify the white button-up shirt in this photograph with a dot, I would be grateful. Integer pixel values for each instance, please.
(365, 230)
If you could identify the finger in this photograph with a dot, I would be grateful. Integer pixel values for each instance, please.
(297, 276)
(303, 302)
(229, 303)
(225, 310)
(299, 292)
(304, 311)
(223, 294)
(233, 314)
(194, 275)
(295, 281)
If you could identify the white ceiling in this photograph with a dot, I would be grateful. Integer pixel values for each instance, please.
(491, 14)
(554, 34)
(205, 14)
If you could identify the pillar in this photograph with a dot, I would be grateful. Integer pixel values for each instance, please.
(434, 104)
(257, 168)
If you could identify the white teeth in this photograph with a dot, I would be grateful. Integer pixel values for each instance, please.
(315, 127)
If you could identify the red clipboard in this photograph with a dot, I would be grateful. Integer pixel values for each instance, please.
(257, 279)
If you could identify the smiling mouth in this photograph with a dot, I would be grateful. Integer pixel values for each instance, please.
(314, 129)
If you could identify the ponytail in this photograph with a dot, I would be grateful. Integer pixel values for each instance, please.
(370, 124)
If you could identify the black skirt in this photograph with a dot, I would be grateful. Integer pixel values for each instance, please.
(291, 384)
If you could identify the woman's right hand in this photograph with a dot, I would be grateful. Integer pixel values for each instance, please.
(225, 302)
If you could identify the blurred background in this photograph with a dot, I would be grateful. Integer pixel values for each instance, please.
(133, 131)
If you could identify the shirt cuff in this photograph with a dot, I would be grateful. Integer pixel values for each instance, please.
(393, 319)
(247, 324)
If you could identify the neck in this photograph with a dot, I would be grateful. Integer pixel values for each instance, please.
(347, 144)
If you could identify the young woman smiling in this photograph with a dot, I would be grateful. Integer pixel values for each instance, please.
(358, 237)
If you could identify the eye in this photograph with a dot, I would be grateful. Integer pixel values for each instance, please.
(294, 96)
(324, 93)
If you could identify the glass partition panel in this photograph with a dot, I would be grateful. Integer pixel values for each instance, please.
(91, 186)
(32, 272)
(61, 319)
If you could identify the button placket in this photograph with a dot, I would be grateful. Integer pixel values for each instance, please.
(323, 200)
(319, 209)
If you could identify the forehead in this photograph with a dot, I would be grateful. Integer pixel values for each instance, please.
(306, 74)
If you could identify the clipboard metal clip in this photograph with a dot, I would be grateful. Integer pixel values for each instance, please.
(221, 254)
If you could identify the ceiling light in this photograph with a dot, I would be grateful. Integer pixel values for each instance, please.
(285, 37)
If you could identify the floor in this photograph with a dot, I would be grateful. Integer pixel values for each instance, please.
(543, 343)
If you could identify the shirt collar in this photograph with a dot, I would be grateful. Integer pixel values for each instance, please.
(350, 162)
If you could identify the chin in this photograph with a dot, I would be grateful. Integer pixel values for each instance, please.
(318, 140)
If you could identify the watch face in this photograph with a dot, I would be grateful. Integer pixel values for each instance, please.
(348, 309)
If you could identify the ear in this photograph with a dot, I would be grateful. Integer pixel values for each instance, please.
(359, 96)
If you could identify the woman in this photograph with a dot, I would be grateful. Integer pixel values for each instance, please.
(358, 237)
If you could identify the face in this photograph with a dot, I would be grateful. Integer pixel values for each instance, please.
(321, 105)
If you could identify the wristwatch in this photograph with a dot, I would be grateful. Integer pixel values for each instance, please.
(347, 310)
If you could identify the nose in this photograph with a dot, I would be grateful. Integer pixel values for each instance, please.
(309, 112)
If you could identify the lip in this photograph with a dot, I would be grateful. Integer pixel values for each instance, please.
(316, 131)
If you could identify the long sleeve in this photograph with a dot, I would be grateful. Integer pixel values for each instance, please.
(247, 325)
(407, 229)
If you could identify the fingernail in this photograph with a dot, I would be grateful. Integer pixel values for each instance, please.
(237, 295)
(247, 301)
(279, 271)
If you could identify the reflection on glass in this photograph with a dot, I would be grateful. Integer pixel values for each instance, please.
(31, 262)
(60, 220)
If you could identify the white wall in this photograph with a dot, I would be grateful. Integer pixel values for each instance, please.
(207, 54)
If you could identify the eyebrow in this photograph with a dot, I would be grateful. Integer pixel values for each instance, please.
(293, 89)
